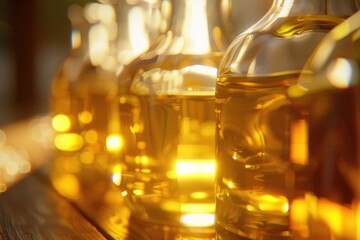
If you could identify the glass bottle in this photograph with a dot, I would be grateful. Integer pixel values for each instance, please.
(327, 96)
(81, 92)
(166, 104)
(255, 168)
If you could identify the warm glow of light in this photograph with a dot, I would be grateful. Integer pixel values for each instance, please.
(340, 73)
(61, 123)
(199, 195)
(271, 203)
(357, 219)
(195, 168)
(95, 12)
(285, 8)
(116, 175)
(75, 39)
(196, 23)
(141, 145)
(339, 221)
(106, 13)
(91, 136)
(114, 142)
(138, 34)
(339, 218)
(98, 44)
(143, 160)
(299, 217)
(68, 142)
(3, 187)
(171, 174)
(198, 219)
(116, 178)
(299, 142)
(109, 63)
(85, 117)
(197, 207)
(230, 184)
(250, 208)
(67, 185)
(170, 206)
(138, 192)
(135, 128)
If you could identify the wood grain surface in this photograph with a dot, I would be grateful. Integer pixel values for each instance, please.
(31, 209)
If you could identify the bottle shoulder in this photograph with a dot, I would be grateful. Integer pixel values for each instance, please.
(171, 74)
(283, 45)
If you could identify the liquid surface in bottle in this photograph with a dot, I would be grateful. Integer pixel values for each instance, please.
(252, 154)
(170, 166)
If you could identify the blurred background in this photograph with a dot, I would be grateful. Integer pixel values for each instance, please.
(35, 39)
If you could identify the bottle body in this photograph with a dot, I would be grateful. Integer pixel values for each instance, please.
(253, 195)
(257, 175)
(82, 154)
(167, 118)
(328, 98)
(87, 139)
(169, 174)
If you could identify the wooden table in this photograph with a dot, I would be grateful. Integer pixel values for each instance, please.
(32, 209)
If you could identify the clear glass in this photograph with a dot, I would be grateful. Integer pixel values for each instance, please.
(166, 109)
(103, 37)
(327, 99)
(255, 177)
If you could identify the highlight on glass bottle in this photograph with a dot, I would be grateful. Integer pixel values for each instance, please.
(166, 109)
(102, 38)
(260, 151)
(327, 99)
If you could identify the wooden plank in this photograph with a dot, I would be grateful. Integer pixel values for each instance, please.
(31, 209)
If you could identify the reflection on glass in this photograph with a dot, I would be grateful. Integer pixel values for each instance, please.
(83, 88)
(316, 218)
(327, 97)
(166, 109)
(198, 219)
(261, 140)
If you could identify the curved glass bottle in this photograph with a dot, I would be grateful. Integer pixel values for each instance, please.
(255, 176)
(166, 104)
(102, 38)
(327, 96)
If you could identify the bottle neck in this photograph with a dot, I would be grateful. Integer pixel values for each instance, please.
(296, 8)
(79, 30)
(315, 7)
(138, 26)
(197, 24)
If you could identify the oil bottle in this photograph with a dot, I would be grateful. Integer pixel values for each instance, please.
(166, 106)
(81, 92)
(256, 180)
(326, 97)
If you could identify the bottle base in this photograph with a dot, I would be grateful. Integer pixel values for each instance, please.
(236, 221)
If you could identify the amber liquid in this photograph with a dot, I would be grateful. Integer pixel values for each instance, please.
(331, 205)
(252, 189)
(169, 170)
(255, 177)
(80, 114)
